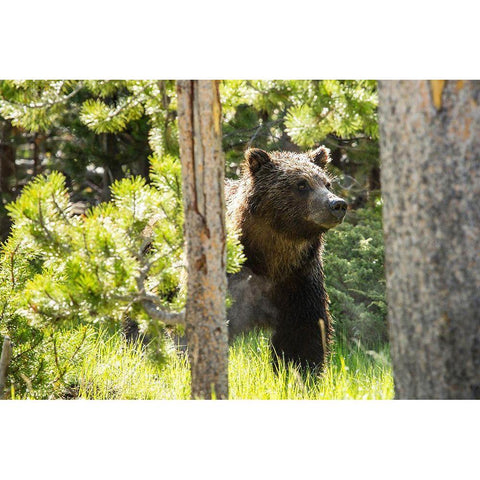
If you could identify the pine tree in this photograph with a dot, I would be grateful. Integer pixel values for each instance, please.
(60, 269)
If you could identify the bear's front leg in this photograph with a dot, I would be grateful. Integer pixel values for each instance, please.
(305, 346)
(303, 329)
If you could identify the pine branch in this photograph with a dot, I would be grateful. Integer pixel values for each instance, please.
(130, 102)
(152, 304)
(50, 103)
(169, 318)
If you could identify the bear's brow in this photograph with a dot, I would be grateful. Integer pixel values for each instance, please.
(301, 165)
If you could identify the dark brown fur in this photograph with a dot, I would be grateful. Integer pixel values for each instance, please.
(282, 205)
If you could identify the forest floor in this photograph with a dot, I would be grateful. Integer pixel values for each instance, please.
(109, 368)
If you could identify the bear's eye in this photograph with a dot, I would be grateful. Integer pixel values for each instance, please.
(303, 186)
(328, 185)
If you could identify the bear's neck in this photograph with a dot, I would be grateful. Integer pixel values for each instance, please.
(274, 255)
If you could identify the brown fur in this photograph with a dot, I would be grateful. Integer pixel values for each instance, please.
(282, 205)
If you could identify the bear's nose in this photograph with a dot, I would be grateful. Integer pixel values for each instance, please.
(338, 207)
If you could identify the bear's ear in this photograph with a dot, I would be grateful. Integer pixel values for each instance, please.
(320, 156)
(255, 158)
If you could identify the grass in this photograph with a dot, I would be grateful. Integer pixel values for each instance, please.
(115, 369)
(109, 368)
(352, 373)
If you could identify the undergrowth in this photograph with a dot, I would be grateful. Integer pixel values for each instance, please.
(107, 368)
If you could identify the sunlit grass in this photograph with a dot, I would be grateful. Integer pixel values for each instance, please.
(113, 369)
(351, 374)
(119, 370)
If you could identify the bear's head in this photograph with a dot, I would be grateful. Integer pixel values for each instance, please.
(291, 192)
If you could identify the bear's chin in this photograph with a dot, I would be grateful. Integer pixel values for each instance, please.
(319, 228)
(311, 231)
(332, 224)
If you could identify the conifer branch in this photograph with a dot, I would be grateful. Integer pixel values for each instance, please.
(42, 223)
(130, 102)
(59, 209)
(48, 104)
(169, 318)
(152, 304)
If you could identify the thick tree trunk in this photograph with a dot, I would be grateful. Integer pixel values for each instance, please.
(430, 149)
(199, 125)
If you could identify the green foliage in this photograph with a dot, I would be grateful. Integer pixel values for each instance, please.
(18, 263)
(355, 277)
(35, 104)
(108, 368)
(101, 118)
(344, 108)
(106, 106)
(286, 114)
(94, 131)
(62, 270)
(119, 103)
(235, 255)
(88, 263)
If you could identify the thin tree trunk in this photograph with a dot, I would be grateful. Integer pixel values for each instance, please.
(7, 157)
(4, 362)
(430, 149)
(112, 168)
(203, 178)
(36, 154)
(7, 173)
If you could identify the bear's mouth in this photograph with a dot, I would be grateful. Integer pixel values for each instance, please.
(327, 223)
(332, 224)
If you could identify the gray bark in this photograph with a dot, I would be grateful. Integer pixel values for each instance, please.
(199, 122)
(4, 362)
(430, 150)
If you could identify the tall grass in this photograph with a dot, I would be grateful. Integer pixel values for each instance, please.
(112, 369)
(352, 373)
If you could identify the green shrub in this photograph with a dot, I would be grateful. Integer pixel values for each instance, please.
(355, 277)
(27, 369)
(61, 272)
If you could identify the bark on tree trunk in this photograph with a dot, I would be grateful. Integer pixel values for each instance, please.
(430, 149)
(7, 157)
(7, 174)
(112, 169)
(199, 125)
(4, 362)
(36, 154)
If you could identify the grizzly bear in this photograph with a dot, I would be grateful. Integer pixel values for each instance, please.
(282, 205)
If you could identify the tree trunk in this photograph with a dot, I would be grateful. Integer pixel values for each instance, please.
(36, 154)
(199, 125)
(7, 158)
(112, 168)
(7, 174)
(430, 149)
(4, 362)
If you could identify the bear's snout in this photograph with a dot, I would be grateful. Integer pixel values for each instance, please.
(338, 207)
